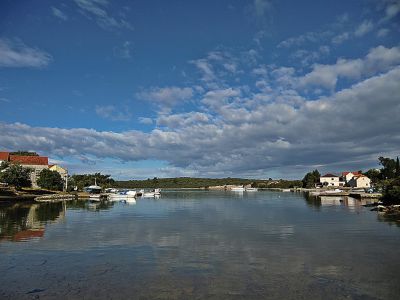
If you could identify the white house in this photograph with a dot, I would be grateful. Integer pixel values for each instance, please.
(360, 181)
(330, 180)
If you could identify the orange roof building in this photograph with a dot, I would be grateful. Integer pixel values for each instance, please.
(4, 156)
(30, 160)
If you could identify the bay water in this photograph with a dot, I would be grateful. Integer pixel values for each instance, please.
(192, 244)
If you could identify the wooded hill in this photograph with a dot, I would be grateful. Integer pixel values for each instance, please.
(190, 182)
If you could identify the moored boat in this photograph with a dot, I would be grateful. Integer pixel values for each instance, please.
(238, 189)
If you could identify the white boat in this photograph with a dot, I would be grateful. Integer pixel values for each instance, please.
(131, 193)
(250, 189)
(333, 191)
(285, 190)
(153, 193)
(120, 197)
(238, 189)
(94, 197)
(148, 194)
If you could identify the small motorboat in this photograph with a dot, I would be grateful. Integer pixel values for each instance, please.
(250, 189)
(153, 193)
(238, 189)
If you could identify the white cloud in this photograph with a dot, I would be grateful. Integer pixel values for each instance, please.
(377, 60)
(364, 28)
(392, 9)
(307, 57)
(59, 14)
(110, 112)
(15, 54)
(97, 10)
(183, 120)
(341, 38)
(166, 97)
(146, 121)
(205, 68)
(239, 140)
(216, 99)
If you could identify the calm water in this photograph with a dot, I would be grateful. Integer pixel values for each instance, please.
(199, 245)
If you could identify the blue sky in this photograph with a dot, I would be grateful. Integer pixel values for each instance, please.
(260, 88)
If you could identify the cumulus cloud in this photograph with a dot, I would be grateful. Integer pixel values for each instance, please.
(166, 97)
(183, 120)
(238, 139)
(97, 10)
(15, 54)
(377, 60)
(146, 121)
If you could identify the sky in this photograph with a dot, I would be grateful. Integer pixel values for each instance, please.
(228, 88)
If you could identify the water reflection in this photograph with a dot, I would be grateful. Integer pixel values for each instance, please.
(350, 203)
(90, 205)
(23, 221)
(205, 245)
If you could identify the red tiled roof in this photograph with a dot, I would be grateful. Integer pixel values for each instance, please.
(329, 175)
(29, 160)
(4, 155)
(359, 175)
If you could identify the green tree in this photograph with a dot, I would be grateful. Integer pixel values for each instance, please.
(51, 180)
(389, 167)
(391, 192)
(310, 179)
(16, 175)
(82, 180)
(397, 168)
(4, 165)
(373, 174)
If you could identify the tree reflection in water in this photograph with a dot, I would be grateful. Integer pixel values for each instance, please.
(23, 221)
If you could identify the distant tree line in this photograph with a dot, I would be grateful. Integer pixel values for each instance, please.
(84, 180)
(24, 153)
(192, 182)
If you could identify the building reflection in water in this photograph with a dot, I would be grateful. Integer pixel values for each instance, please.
(349, 202)
(24, 221)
